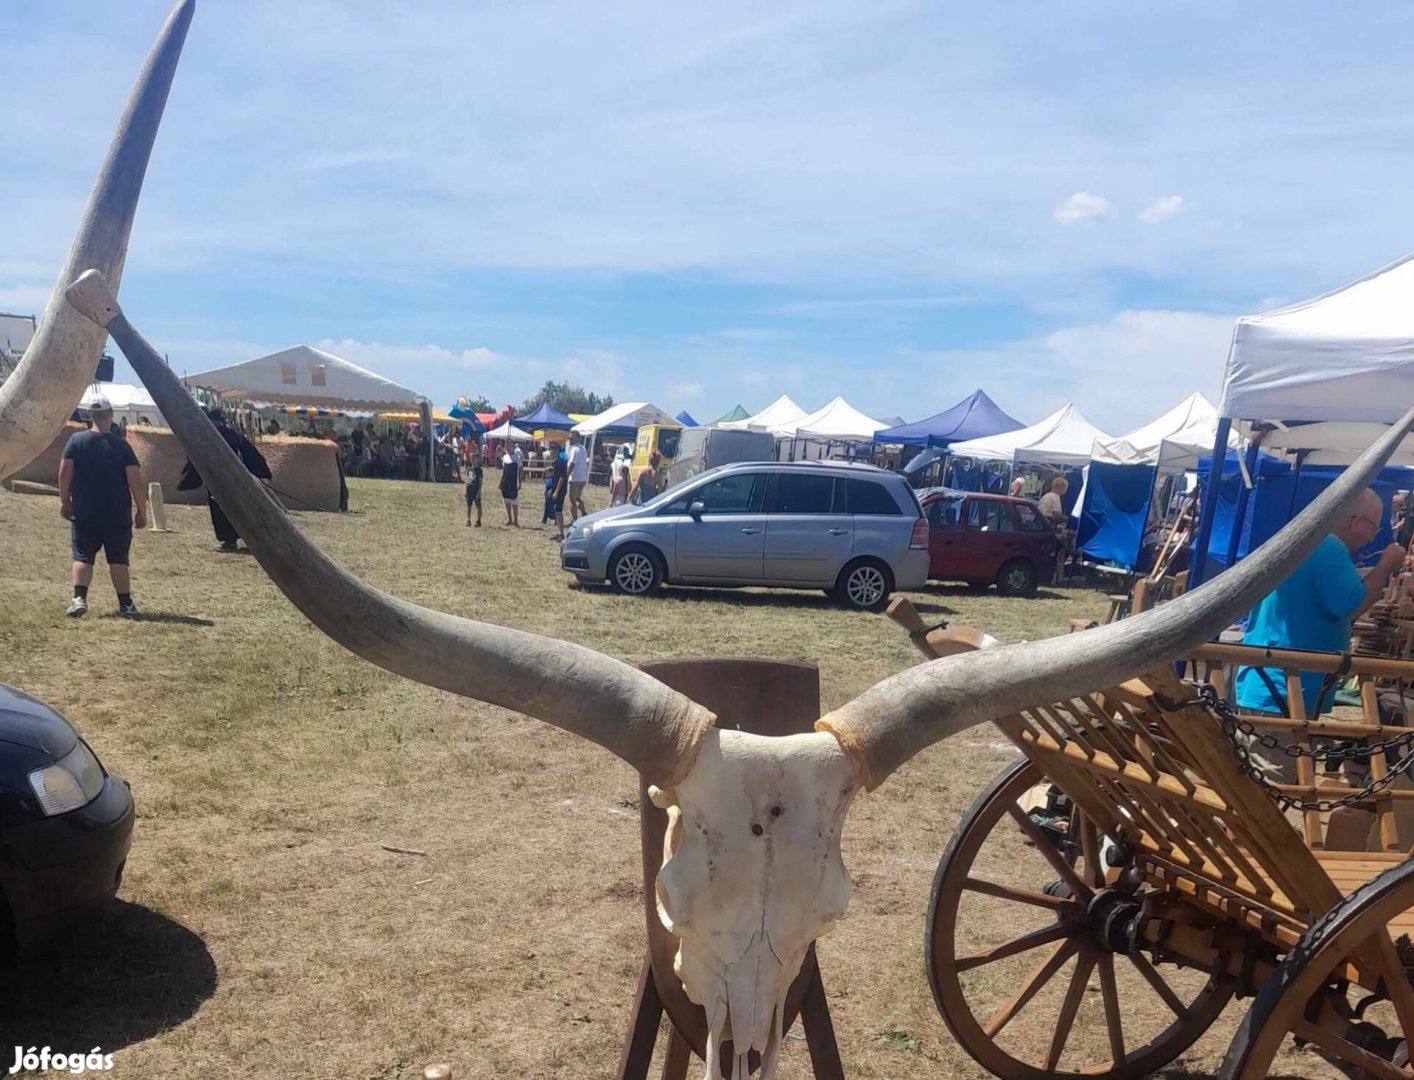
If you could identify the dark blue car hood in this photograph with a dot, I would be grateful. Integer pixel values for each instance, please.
(28, 722)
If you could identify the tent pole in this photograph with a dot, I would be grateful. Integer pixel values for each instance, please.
(1295, 483)
(1210, 504)
(1239, 515)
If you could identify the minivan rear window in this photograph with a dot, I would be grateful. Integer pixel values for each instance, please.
(801, 493)
(868, 497)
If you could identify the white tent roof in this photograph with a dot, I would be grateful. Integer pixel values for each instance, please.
(1063, 438)
(129, 402)
(302, 375)
(634, 414)
(1348, 355)
(783, 412)
(15, 332)
(511, 432)
(1174, 442)
(837, 421)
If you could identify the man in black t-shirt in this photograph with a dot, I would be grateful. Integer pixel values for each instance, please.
(99, 482)
(473, 489)
(555, 499)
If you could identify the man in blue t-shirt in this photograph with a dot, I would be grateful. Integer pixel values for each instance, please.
(1314, 608)
(99, 481)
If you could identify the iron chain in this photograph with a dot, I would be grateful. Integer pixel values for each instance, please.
(1242, 735)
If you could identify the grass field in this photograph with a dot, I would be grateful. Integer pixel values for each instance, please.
(262, 929)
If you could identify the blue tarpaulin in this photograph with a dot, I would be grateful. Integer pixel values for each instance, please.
(972, 418)
(1115, 511)
(1270, 505)
(685, 419)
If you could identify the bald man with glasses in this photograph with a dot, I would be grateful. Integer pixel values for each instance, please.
(1314, 609)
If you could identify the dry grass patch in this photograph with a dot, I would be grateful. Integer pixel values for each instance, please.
(269, 766)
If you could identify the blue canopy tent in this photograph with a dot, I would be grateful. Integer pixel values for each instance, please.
(685, 419)
(1280, 490)
(545, 417)
(1115, 511)
(975, 417)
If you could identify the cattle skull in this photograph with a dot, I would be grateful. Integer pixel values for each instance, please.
(752, 871)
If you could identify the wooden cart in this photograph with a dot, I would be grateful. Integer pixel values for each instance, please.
(1110, 892)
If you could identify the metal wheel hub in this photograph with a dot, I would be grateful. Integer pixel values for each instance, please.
(1114, 920)
(865, 586)
(634, 572)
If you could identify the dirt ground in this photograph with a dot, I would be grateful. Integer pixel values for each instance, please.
(262, 929)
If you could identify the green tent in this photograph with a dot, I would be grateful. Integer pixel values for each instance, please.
(736, 414)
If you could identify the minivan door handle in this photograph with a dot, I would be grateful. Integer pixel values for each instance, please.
(838, 532)
(750, 531)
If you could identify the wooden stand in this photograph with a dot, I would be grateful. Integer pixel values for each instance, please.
(765, 698)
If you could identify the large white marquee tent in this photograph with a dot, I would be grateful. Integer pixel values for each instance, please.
(1173, 442)
(783, 412)
(632, 414)
(1065, 438)
(303, 375)
(131, 404)
(836, 421)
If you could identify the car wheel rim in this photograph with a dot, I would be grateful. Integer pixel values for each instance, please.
(1016, 580)
(634, 573)
(865, 586)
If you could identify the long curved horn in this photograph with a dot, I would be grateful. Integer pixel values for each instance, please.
(58, 364)
(886, 725)
(653, 728)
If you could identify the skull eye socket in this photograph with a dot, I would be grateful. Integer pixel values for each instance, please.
(757, 830)
(775, 811)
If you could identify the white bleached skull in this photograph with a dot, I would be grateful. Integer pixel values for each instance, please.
(751, 875)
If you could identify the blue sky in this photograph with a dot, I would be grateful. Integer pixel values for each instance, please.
(705, 205)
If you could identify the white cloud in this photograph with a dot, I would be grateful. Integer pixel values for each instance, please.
(1161, 209)
(376, 355)
(1120, 372)
(684, 391)
(1082, 206)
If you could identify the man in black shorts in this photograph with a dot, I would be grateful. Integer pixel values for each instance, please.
(473, 489)
(99, 482)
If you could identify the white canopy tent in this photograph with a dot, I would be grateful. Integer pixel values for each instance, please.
(836, 421)
(131, 404)
(1173, 443)
(509, 431)
(1063, 438)
(1318, 381)
(633, 414)
(303, 375)
(781, 413)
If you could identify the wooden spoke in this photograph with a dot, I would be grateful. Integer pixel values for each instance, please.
(1025, 943)
(1347, 1051)
(1154, 979)
(1033, 833)
(1110, 992)
(1031, 987)
(1084, 964)
(1015, 895)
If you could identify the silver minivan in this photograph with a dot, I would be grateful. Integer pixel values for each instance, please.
(853, 530)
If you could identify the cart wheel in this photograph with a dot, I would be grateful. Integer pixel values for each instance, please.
(1030, 893)
(1306, 997)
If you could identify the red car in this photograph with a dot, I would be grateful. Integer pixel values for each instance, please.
(981, 539)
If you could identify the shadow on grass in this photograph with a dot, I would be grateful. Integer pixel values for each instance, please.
(122, 976)
(808, 599)
(933, 589)
(165, 617)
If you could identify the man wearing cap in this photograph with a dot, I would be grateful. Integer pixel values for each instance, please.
(100, 481)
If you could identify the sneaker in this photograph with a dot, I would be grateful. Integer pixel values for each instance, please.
(128, 610)
(78, 607)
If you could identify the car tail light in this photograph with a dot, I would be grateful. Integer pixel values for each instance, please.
(920, 534)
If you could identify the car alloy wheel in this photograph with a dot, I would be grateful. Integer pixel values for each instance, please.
(865, 586)
(1016, 579)
(634, 572)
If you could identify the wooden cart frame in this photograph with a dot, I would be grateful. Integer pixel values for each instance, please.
(1172, 856)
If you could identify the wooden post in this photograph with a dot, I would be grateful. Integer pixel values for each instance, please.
(156, 509)
(765, 698)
